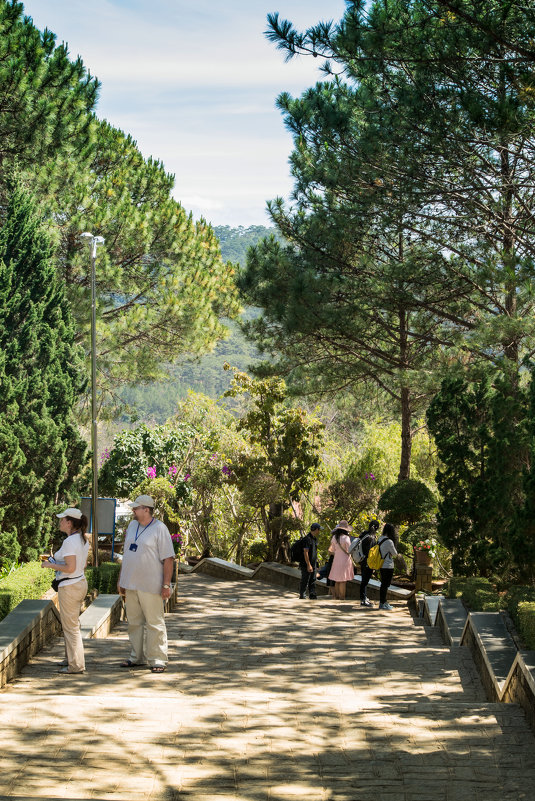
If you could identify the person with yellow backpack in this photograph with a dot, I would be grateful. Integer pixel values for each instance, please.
(381, 557)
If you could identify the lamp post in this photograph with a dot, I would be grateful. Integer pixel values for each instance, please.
(94, 242)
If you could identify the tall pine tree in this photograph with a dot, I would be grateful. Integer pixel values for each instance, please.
(40, 383)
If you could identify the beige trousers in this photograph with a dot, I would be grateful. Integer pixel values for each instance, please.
(146, 627)
(70, 603)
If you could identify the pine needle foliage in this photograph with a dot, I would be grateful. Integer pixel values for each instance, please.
(40, 384)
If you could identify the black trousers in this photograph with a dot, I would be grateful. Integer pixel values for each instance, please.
(386, 581)
(366, 574)
(308, 581)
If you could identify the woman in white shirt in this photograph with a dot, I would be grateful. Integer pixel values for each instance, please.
(71, 584)
(388, 551)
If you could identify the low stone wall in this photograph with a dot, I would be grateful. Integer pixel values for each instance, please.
(219, 568)
(508, 675)
(493, 649)
(23, 633)
(98, 619)
(285, 576)
(520, 685)
(450, 619)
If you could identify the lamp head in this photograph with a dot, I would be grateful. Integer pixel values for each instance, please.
(87, 236)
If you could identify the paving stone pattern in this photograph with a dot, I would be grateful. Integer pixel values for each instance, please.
(267, 698)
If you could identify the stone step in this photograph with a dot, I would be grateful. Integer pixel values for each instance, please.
(265, 697)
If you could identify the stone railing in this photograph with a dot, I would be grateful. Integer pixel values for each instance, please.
(285, 576)
(507, 673)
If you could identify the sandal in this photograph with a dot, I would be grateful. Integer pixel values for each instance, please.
(129, 664)
(157, 669)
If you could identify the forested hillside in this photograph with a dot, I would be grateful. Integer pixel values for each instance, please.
(157, 401)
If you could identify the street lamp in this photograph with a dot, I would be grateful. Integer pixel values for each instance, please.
(94, 242)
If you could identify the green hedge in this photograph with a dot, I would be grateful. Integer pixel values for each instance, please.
(29, 581)
(525, 623)
(32, 581)
(520, 603)
(481, 596)
(477, 593)
(104, 577)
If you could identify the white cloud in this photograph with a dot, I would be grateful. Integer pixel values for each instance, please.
(195, 86)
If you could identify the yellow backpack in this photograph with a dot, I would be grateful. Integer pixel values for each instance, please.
(375, 560)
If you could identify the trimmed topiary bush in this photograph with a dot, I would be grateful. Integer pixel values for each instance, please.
(408, 501)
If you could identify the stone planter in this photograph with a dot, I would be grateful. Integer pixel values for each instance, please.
(422, 557)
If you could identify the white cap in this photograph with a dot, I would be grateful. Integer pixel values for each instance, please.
(141, 500)
(71, 512)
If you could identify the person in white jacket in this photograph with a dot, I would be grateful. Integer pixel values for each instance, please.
(388, 551)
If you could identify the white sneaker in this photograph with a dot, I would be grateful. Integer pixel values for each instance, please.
(387, 607)
(367, 602)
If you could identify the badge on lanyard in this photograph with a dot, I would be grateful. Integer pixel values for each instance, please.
(133, 546)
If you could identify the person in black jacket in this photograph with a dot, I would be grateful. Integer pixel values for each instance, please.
(308, 563)
(368, 540)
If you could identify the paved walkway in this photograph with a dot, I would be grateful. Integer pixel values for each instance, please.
(262, 703)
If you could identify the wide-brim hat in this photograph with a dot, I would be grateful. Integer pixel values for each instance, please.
(342, 524)
(141, 500)
(71, 512)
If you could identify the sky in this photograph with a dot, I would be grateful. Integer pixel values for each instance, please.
(195, 83)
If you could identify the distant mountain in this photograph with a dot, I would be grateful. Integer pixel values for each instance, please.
(235, 242)
(156, 402)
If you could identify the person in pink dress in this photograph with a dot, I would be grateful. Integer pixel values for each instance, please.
(342, 567)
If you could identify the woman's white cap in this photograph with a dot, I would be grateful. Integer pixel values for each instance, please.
(71, 512)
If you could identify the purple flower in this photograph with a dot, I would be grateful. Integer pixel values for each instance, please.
(173, 470)
(226, 470)
(188, 475)
(151, 471)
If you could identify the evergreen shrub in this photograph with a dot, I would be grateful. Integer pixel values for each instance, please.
(477, 593)
(103, 578)
(28, 581)
(525, 622)
(520, 603)
(481, 596)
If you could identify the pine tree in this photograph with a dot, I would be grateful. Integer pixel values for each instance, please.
(39, 381)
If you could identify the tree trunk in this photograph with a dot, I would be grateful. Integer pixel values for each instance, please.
(406, 435)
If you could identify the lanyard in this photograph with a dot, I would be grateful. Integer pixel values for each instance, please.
(139, 533)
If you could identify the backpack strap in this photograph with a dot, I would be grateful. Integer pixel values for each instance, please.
(379, 544)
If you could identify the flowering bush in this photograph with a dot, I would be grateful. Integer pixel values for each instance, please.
(177, 542)
(429, 546)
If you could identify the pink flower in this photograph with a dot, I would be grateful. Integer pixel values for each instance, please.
(151, 471)
(188, 475)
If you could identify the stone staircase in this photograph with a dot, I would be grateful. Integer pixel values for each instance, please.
(266, 697)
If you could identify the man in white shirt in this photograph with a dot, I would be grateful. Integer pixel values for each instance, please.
(145, 582)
